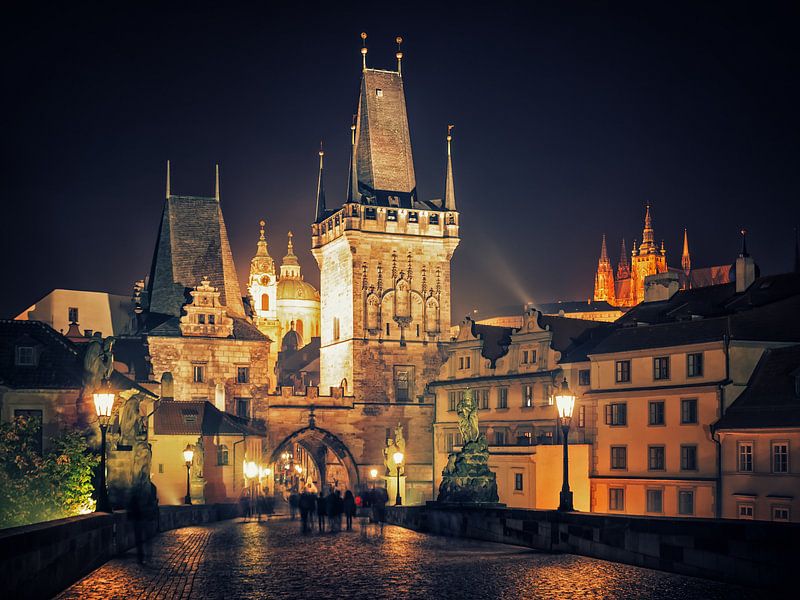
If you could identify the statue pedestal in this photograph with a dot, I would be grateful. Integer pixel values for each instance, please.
(467, 479)
(391, 488)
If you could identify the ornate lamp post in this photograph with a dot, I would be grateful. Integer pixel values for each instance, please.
(565, 401)
(103, 404)
(398, 459)
(188, 455)
(373, 473)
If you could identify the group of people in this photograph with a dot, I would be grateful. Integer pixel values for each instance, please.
(329, 508)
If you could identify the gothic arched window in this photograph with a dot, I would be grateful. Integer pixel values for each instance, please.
(372, 312)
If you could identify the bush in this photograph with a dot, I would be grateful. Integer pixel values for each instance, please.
(36, 486)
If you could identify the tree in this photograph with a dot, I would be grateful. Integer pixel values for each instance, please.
(40, 486)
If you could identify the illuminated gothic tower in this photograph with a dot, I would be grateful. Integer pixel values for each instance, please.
(384, 257)
(604, 279)
(646, 260)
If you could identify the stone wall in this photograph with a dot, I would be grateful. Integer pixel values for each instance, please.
(744, 552)
(38, 561)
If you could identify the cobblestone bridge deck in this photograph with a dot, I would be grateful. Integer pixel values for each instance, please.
(232, 559)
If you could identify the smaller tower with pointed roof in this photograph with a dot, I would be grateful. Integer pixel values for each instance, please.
(604, 279)
(262, 284)
(686, 260)
(623, 266)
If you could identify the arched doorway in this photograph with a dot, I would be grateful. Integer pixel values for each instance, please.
(311, 452)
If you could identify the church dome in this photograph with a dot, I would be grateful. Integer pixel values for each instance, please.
(291, 341)
(296, 289)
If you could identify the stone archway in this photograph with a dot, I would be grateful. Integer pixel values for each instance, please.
(313, 439)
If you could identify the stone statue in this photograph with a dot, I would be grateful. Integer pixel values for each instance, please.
(98, 362)
(466, 479)
(130, 418)
(399, 439)
(198, 459)
(467, 412)
(388, 456)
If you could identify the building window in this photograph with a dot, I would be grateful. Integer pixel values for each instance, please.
(161, 468)
(482, 397)
(655, 501)
(655, 458)
(685, 502)
(413, 217)
(502, 397)
(694, 364)
(243, 374)
(335, 328)
(37, 416)
(264, 301)
(452, 400)
(417, 329)
(688, 458)
(661, 367)
(243, 407)
(222, 455)
(780, 513)
(452, 440)
(73, 314)
(780, 457)
(198, 373)
(617, 414)
(746, 511)
(656, 412)
(387, 329)
(527, 396)
(616, 499)
(201, 319)
(619, 457)
(746, 457)
(369, 214)
(499, 437)
(524, 438)
(403, 383)
(25, 356)
(688, 411)
(623, 371)
(582, 416)
(433, 219)
(391, 215)
(517, 482)
(584, 377)
(379, 92)
(212, 319)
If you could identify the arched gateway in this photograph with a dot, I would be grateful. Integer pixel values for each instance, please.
(322, 448)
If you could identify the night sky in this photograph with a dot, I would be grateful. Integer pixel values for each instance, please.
(568, 117)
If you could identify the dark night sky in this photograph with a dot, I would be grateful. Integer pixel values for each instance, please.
(569, 117)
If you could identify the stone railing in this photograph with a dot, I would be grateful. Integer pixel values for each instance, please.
(38, 561)
(752, 553)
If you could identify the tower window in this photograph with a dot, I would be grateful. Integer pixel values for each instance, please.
(403, 383)
(369, 214)
(391, 215)
(379, 92)
(243, 408)
(387, 329)
(212, 319)
(201, 319)
(335, 328)
(264, 301)
(433, 219)
(413, 217)
(199, 373)
(243, 375)
(73, 314)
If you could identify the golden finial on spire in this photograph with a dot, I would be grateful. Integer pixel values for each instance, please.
(449, 137)
(364, 50)
(399, 55)
(168, 184)
(216, 184)
(262, 223)
(291, 244)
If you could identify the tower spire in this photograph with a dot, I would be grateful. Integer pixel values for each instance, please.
(603, 251)
(399, 55)
(744, 252)
(648, 245)
(352, 179)
(168, 183)
(686, 261)
(449, 188)
(623, 267)
(216, 182)
(363, 51)
(320, 188)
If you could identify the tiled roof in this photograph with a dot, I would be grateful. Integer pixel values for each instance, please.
(200, 417)
(553, 308)
(59, 360)
(301, 359)
(242, 330)
(192, 243)
(566, 331)
(772, 396)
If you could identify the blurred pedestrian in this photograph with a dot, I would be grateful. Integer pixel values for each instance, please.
(322, 511)
(306, 504)
(379, 499)
(294, 504)
(349, 508)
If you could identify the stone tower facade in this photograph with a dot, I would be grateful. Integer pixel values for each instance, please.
(384, 259)
(604, 279)
(646, 260)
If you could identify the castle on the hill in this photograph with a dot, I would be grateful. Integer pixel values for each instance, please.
(626, 287)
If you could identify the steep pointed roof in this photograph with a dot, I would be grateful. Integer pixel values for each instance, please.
(623, 267)
(686, 260)
(192, 243)
(384, 162)
(262, 262)
(603, 253)
(648, 245)
(449, 188)
(320, 189)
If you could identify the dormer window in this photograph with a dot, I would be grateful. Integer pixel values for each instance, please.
(394, 200)
(413, 217)
(433, 219)
(379, 92)
(391, 215)
(25, 356)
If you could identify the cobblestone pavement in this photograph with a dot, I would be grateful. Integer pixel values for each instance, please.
(274, 560)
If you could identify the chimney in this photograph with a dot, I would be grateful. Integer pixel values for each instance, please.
(745, 267)
(661, 286)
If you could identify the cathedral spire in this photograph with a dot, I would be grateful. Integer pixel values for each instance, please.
(648, 245)
(603, 252)
(686, 261)
(216, 182)
(399, 55)
(168, 183)
(449, 189)
(623, 267)
(320, 188)
(363, 50)
(352, 179)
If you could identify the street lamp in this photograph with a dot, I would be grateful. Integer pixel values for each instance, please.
(398, 458)
(188, 455)
(103, 405)
(565, 401)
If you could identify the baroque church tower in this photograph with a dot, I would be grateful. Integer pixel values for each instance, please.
(384, 257)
